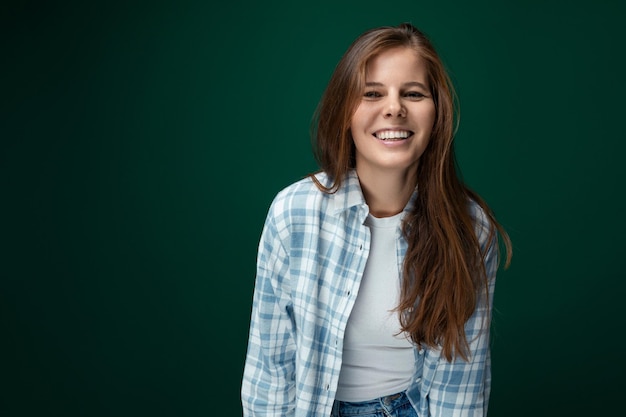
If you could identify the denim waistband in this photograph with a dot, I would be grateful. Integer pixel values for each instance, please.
(387, 403)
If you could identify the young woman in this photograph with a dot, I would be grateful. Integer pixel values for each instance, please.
(375, 276)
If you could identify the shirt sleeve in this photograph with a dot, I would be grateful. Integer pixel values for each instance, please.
(268, 386)
(461, 388)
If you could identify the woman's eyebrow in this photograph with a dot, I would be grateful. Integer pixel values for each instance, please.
(407, 84)
(416, 84)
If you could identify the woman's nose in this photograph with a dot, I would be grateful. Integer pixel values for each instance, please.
(394, 107)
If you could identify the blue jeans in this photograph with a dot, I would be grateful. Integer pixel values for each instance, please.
(396, 405)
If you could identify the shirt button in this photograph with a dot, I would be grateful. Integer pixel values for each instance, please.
(418, 380)
(327, 387)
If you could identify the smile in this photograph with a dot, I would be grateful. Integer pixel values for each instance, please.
(392, 135)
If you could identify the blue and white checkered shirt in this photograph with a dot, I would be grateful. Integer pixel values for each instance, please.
(311, 258)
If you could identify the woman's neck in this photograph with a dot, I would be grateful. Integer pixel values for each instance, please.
(387, 192)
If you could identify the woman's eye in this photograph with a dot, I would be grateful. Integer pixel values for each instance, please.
(416, 95)
(371, 94)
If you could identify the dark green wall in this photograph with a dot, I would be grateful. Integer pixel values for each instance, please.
(142, 144)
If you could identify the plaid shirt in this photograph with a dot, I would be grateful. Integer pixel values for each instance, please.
(311, 258)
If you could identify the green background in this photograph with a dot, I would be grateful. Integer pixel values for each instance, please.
(143, 143)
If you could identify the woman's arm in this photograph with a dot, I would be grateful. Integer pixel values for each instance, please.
(461, 388)
(268, 387)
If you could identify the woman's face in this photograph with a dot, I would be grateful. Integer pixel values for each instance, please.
(393, 122)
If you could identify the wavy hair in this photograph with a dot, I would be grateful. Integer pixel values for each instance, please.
(444, 267)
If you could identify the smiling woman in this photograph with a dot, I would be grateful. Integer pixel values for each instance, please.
(391, 127)
(375, 275)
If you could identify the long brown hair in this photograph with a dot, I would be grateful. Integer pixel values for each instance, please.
(444, 266)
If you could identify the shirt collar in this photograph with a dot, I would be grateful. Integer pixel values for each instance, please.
(350, 195)
(347, 196)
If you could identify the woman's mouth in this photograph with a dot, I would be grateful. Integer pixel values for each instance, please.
(392, 135)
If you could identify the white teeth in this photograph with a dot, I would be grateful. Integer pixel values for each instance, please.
(392, 134)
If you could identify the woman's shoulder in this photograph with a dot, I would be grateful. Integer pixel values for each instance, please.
(302, 190)
(477, 212)
(483, 225)
(301, 198)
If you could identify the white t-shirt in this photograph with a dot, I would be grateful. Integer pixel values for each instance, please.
(377, 361)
